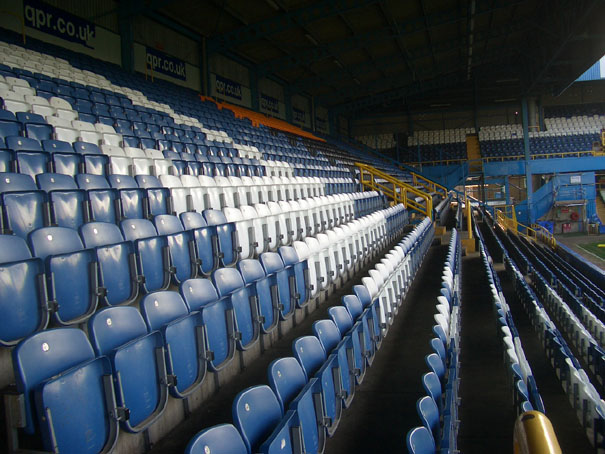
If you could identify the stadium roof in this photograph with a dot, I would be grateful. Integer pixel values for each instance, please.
(368, 55)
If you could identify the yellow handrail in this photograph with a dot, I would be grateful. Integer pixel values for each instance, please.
(534, 434)
(399, 190)
(536, 232)
(428, 184)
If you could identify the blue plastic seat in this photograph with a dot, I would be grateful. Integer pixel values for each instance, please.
(68, 208)
(103, 201)
(286, 379)
(436, 365)
(256, 412)
(200, 295)
(420, 441)
(206, 241)
(184, 339)
(181, 246)
(286, 438)
(118, 274)
(310, 354)
(38, 131)
(359, 315)
(373, 307)
(71, 272)
(158, 197)
(220, 439)
(432, 386)
(132, 198)
(230, 284)
(137, 362)
(298, 274)
(23, 295)
(9, 127)
(67, 392)
(429, 415)
(227, 237)
(95, 162)
(308, 406)
(276, 272)
(342, 319)
(25, 208)
(254, 276)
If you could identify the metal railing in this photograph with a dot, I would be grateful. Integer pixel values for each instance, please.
(534, 434)
(376, 180)
(507, 219)
(428, 184)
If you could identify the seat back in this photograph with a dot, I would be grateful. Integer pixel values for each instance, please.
(221, 438)
(23, 295)
(256, 412)
(420, 441)
(328, 334)
(72, 271)
(137, 359)
(286, 378)
(309, 353)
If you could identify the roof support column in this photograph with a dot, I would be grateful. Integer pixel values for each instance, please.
(126, 36)
(528, 175)
(254, 89)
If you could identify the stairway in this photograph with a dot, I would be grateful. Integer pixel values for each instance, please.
(473, 153)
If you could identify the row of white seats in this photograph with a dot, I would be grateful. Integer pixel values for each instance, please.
(389, 285)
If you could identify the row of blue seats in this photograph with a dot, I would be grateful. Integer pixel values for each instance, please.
(567, 288)
(308, 392)
(68, 273)
(131, 364)
(438, 410)
(539, 145)
(62, 200)
(582, 394)
(32, 157)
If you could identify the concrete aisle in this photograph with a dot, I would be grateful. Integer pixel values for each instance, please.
(486, 413)
(384, 407)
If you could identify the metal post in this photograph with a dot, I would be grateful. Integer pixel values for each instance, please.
(528, 174)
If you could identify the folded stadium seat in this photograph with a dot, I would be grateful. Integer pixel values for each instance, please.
(23, 294)
(256, 412)
(216, 439)
(360, 347)
(420, 441)
(227, 193)
(275, 270)
(137, 362)
(228, 247)
(332, 367)
(64, 373)
(157, 196)
(103, 201)
(67, 201)
(132, 198)
(179, 195)
(182, 248)
(24, 206)
(284, 234)
(218, 320)
(298, 275)
(317, 261)
(29, 156)
(95, 162)
(205, 241)
(230, 284)
(184, 339)
(286, 379)
(327, 255)
(71, 272)
(153, 255)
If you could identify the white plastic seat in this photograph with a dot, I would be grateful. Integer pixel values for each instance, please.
(178, 193)
(67, 134)
(212, 193)
(121, 165)
(243, 229)
(257, 237)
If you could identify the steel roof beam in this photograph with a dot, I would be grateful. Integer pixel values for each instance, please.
(282, 22)
(411, 26)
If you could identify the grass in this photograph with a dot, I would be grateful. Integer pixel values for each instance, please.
(595, 249)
